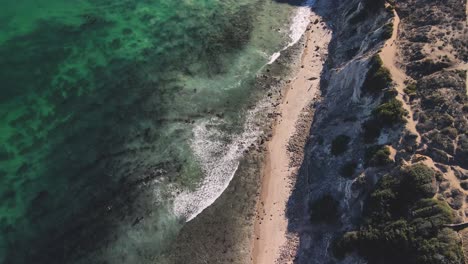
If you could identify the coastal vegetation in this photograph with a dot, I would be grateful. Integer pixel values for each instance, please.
(402, 222)
(377, 156)
(403, 194)
(387, 114)
(378, 77)
(390, 113)
(387, 31)
(410, 89)
(391, 7)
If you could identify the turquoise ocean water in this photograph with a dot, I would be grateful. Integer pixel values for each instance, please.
(110, 112)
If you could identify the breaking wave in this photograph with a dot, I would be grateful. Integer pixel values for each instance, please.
(219, 160)
(299, 25)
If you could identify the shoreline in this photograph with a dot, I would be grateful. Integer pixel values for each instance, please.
(284, 152)
(224, 231)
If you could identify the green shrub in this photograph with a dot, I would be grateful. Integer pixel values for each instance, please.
(382, 202)
(400, 229)
(410, 89)
(389, 94)
(378, 77)
(387, 31)
(324, 210)
(348, 169)
(390, 8)
(377, 156)
(340, 145)
(418, 182)
(385, 115)
(390, 113)
(435, 211)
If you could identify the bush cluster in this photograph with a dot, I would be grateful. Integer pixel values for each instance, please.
(377, 156)
(410, 89)
(390, 113)
(378, 77)
(403, 223)
(387, 31)
(385, 115)
(389, 94)
(418, 181)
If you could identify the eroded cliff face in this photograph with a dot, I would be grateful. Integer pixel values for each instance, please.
(344, 107)
(388, 140)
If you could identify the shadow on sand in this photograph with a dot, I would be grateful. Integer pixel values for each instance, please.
(297, 210)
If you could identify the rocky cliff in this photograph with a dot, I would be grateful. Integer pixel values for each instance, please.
(386, 163)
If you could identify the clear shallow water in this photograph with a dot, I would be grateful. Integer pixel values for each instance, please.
(100, 105)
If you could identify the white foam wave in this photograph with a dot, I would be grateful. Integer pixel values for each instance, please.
(219, 162)
(300, 22)
(299, 25)
(274, 57)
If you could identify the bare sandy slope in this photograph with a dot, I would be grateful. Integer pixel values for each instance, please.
(271, 238)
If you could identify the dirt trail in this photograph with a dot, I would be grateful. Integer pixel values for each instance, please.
(272, 244)
(389, 54)
(450, 178)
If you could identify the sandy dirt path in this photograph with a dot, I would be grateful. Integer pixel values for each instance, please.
(388, 55)
(278, 176)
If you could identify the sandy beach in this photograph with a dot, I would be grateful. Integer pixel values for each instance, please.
(271, 242)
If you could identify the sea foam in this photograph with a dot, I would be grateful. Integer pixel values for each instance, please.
(299, 24)
(219, 161)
